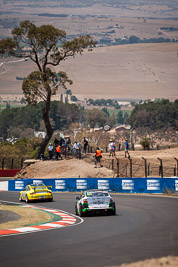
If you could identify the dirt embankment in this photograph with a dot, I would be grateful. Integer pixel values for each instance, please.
(169, 261)
(75, 168)
(72, 168)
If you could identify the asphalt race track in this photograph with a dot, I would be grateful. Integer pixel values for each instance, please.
(144, 227)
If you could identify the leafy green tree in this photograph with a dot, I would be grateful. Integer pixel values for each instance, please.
(22, 101)
(68, 92)
(111, 121)
(105, 110)
(27, 117)
(133, 103)
(8, 106)
(91, 101)
(155, 115)
(134, 39)
(23, 121)
(61, 98)
(120, 118)
(95, 117)
(117, 106)
(74, 98)
(145, 143)
(47, 47)
(125, 117)
(64, 114)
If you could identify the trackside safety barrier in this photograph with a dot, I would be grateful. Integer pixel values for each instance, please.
(121, 185)
(9, 173)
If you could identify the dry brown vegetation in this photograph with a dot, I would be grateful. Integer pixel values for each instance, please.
(28, 216)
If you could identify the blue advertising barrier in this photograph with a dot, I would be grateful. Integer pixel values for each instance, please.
(120, 185)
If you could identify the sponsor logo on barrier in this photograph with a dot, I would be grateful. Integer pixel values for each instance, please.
(103, 184)
(19, 185)
(153, 185)
(37, 182)
(176, 185)
(127, 184)
(60, 184)
(81, 184)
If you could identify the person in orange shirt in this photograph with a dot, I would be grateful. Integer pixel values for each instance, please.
(98, 157)
(58, 152)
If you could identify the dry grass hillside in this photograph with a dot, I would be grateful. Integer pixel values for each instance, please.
(140, 71)
(131, 71)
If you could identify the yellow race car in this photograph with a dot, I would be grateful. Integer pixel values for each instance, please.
(35, 192)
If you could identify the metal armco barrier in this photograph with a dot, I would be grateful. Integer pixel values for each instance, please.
(120, 185)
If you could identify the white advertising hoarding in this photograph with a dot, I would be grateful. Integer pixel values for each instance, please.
(60, 184)
(103, 184)
(81, 184)
(127, 185)
(153, 184)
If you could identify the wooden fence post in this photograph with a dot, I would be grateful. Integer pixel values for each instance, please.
(148, 169)
(112, 164)
(2, 163)
(12, 163)
(161, 167)
(79, 154)
(117, 168)
(21, 163)
(130, 167)
(119, 147)
(145, 166)
(176, 167)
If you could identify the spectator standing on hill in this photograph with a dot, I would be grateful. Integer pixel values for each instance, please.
(67, 143)
(98, 157)
(76, 148)
(50, 150)
(56, 142)
(110, 148)
(127, 149)
(85, 145)
(61, 141)
(114, 149)
(58, 152)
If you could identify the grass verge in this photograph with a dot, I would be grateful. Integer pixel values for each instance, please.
(28, 216)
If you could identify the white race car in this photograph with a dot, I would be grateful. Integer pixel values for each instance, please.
(94, 201)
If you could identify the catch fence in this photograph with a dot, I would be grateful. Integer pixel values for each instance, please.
(124, 167)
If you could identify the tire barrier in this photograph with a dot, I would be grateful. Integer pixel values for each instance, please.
(120, 185)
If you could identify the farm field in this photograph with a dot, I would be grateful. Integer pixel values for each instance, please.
(137, 71)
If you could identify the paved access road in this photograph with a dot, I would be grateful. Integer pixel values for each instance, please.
(144, 227)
